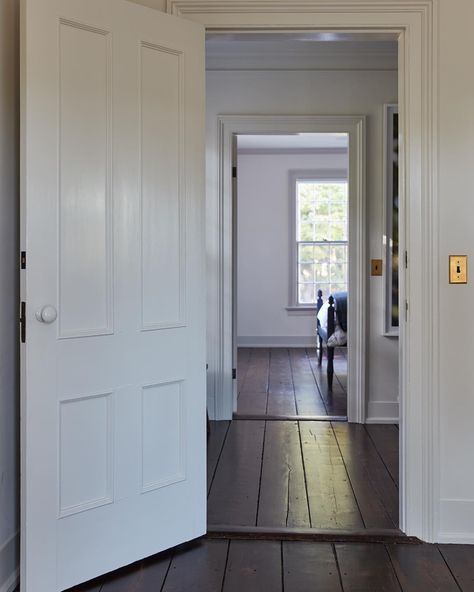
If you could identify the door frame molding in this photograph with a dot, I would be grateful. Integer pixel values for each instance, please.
(416, 24)
(228, 127)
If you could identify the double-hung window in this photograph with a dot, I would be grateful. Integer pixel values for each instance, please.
(321, 234)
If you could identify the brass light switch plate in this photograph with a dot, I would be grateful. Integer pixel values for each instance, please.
(376, 267)
(458, 269)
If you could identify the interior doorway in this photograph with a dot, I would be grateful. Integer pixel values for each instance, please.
(289, 458)
(291, 245)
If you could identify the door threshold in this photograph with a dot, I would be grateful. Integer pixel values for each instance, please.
(331, 535)
(251, 416)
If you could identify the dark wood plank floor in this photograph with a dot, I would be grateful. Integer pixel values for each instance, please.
(282, 382)
(303, 474)
(275, 566)
(299, 474)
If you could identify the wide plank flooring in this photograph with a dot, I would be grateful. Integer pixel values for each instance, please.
(300, 474)
(282, 566)
(303, 474)
(289, 382)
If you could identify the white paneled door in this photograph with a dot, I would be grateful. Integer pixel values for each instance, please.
(113, 367)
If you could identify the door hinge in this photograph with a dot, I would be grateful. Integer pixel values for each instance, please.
(406, 310)
(23, 260)
(234, 172)
(23, 322)
(234, 373)
(406, 259)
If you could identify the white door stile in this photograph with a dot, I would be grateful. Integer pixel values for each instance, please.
(113, 389)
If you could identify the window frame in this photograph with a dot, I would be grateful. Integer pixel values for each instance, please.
(319, 176)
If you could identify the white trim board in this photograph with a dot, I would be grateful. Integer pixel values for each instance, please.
(416, 24)
(230, 126)
(276, 341)
(382, 412)
(459, 515)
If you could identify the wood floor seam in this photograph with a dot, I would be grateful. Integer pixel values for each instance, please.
(348, 476)
(261, 471)
(393, 569)
(449, 569)
(304, 474)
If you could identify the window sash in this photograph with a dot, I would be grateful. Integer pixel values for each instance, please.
(319, 177)
(329, 219)
(313, 284)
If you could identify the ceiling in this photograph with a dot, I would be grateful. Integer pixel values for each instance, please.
(304, 50)
(292, 142)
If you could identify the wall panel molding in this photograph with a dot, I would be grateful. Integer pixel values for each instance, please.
(93, 461)
(162, 402)
(85, 234)
(162, 189)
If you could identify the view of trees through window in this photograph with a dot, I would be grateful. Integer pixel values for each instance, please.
(322, 238)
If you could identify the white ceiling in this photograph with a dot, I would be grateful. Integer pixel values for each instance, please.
(307, 50)
(309, 36)
(292, 141)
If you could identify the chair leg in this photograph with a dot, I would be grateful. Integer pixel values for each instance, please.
(330, 353)
(320, 351)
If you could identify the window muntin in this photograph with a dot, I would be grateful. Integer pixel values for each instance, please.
(321, 238)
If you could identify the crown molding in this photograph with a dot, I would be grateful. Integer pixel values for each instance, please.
(183, 7)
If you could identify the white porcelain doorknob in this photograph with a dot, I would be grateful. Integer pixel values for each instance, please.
(47, 314)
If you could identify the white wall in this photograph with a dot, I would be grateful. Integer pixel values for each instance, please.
(316, 93)
(9, 392)
(456, 324)
(456, 177)
(264, 249)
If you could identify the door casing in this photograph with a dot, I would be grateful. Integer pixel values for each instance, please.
(416, 24)
(231, 125)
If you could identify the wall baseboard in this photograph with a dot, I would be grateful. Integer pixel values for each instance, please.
(276, 341)
(455, 538)
(9, 563)
(456, 521)
(382, 412)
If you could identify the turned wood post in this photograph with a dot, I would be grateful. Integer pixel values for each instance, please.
(330, 350)
(319, 303)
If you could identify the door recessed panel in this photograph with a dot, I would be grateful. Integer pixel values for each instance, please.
(162, 435)
(162, 188)
(85, 249)
(85, 453)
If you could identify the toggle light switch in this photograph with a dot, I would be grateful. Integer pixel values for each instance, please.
(376, 267)
(458, 269)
